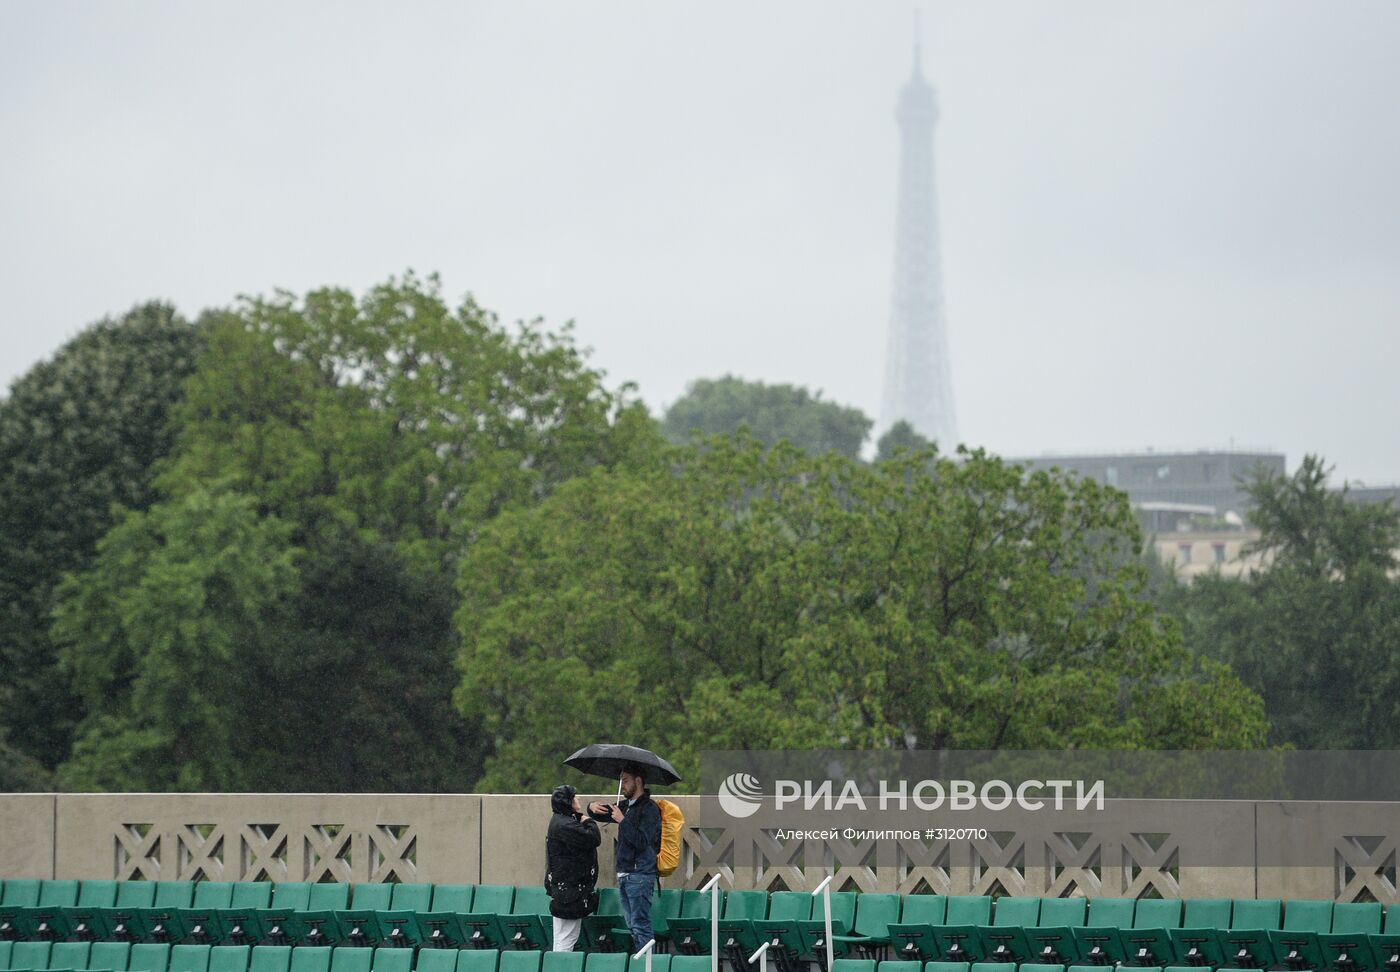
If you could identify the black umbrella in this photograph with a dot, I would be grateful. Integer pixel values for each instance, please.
(609, 759)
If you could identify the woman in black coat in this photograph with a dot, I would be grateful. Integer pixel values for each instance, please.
(571, 861)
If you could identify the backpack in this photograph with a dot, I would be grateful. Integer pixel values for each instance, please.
(668, 858)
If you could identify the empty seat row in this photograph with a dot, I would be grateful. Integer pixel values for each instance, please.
(294, 895)
(860, 912)
(120, 957)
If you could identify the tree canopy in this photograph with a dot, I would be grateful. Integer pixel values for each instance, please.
(1316, 631)
(79, 434)
(329, 542)
(293, 583)
(732, 596)
(770, 413)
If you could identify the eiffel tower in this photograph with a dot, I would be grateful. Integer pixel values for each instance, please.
(918, 387)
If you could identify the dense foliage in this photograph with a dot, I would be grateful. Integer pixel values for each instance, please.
(770, 413)
(323, 542)
(79, 434)
(728, 596)
(1316, 632)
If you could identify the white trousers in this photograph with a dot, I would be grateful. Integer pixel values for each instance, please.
(566, 931)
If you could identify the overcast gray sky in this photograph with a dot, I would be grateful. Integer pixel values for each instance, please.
(1163, 224)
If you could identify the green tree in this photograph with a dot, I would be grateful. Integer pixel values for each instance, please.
(358, 445)
(771, 413)
(78, 434)
(1316, 631)
(732, 596)
(160, 636)
(901, 435)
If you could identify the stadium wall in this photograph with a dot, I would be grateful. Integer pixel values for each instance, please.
(1133, 851)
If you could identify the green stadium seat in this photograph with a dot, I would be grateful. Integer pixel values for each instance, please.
(473, 959)
(789, 905)
(1198, 947)
(875, 912)
(136, 894)
(149, 957)
(392, 960)
(946, 966)
(174, 894)
(97, 894)
(351, 959)
(21, 893)
(570, 962)
(291, 896)
(1099, 944)
(1013, 912)
(270, 958)
(1352, 923)
(901, 965)
(411, 897)
(531, 900)
(923, 909)
(683, 963)
(1043, 967)
(693, 903)
(1063, 912)
(437, 959)
(993, 967)
(110, 955)
(329, 896)
(5, 948)
(493, 899)
(213, 894)
(659, 963)
(252, 894)
(1110, 913)
(1313, 916)
(69, 955)
(1157, 913)
(1263, 913)
(307, 958)
(853, 965)
(745, 904)
(1206, 913)
(1392, 920)
(1246, 947)
(843, 908)
(229, 958)
(190, 958)
(456, 898)
(1357, 917)
(689, 930)
(519, 962)
(665, 905)
(606, 962)
(969, 909)
(371, 897)
(30, 955)
(58, 894)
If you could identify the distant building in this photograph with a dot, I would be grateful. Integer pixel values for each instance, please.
(1374, 494)
(1201, 484)
(1192, 553)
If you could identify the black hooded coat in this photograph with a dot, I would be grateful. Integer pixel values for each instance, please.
(571, 859)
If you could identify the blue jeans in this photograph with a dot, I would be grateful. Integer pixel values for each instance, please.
(635, 891)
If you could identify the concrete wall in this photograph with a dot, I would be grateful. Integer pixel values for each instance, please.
(27, 843)
(499, 839)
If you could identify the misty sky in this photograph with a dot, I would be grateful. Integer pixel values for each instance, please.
(1164, 224)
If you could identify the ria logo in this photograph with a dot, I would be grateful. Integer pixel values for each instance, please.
(740, 795)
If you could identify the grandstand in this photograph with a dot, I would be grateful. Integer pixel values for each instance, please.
(262, 926)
